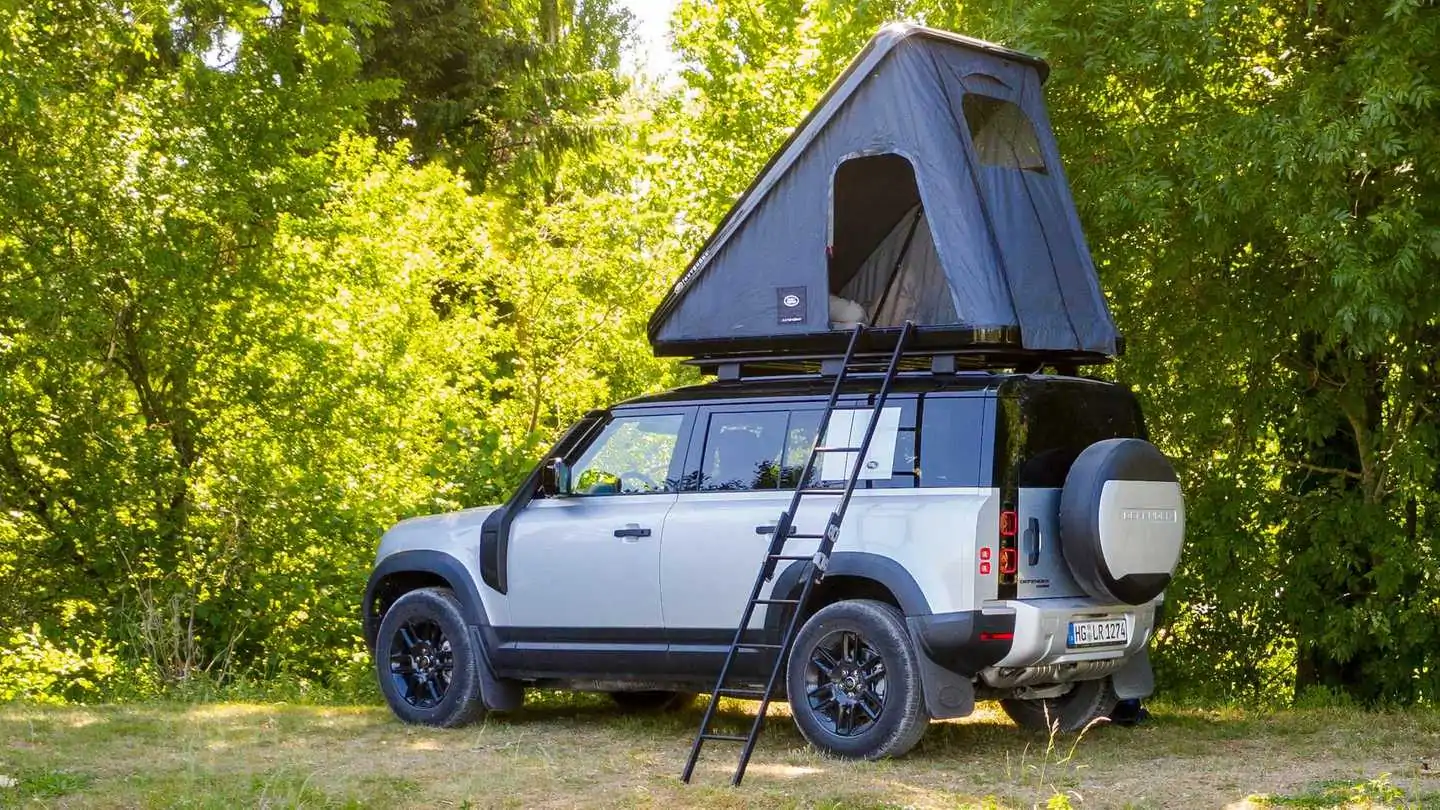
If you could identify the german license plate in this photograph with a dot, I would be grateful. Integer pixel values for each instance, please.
(1098, 633)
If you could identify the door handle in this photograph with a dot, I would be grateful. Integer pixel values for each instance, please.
(632, 530)
(770, 529)
(1033, 541)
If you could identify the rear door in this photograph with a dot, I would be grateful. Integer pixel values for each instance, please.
(745, 460)
(1047, 423)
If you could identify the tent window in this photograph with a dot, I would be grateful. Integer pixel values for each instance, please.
(1002, 134)
(883, 265)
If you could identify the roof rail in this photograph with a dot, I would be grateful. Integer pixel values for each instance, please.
(935, 350)
(731, 368)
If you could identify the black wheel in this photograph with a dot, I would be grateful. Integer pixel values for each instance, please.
(1073, 711)
(853, 681)
(426, 660)
(652, 700)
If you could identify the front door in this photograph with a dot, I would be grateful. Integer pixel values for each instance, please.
(584, 568)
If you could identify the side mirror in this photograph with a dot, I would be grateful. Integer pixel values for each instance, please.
(555, 477)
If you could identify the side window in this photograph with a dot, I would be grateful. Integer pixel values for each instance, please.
(630, 457)
(1002, 134)
(744, 451)
(951, 454)
(903, 472)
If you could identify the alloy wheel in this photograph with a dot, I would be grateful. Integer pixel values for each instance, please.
(421, 663)
(845, 683)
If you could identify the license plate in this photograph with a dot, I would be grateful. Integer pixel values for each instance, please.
(1099, 633)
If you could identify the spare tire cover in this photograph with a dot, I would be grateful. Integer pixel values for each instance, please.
(1122, 520)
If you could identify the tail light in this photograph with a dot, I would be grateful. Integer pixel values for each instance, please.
(1009, 554)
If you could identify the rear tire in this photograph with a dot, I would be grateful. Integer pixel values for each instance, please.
(652, 700)
(1071, 712)
(427, 662)
(853, 681)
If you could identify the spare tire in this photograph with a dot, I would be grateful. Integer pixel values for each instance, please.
(1122, 520)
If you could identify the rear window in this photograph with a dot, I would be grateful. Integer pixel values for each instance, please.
(1047, 424)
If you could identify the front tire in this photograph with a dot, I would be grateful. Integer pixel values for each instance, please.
(853, 681)
(426, 660)
(1073, 711)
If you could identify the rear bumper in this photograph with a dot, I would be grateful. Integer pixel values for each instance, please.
(1042, 631)
(966, 642)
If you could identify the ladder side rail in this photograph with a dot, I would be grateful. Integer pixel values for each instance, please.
(787, 640)
(825, 417)
(787, 518)
(874, 421)
(714, 703)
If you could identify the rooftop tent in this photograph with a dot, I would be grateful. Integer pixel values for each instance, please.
(925, 186)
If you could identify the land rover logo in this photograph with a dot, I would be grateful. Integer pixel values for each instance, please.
(792, 300)
(1149, 515)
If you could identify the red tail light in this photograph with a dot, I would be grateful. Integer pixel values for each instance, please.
(1008, 523)
(997, 636)
(1007, 560)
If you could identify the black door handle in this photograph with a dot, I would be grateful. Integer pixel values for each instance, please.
(1033, 541)
(632, 531)
(771, 529)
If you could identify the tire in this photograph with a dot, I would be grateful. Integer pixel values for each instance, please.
(654, 700)
(1071, 712)
(426, 660)
(881, 712)
(1122, 548)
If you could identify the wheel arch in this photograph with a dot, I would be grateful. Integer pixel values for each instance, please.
(849, 575)
(407, 571)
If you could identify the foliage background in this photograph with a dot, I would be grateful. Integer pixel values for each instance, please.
(274, 275)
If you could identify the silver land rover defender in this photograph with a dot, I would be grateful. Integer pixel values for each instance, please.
(1013, 544)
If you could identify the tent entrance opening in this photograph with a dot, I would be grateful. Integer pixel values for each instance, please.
(883, 268)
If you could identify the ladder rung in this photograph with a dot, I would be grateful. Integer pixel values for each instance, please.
(795, 557)
(807, 537)
(725, 737)
(837, 449)
(815, 491)
(777, 602)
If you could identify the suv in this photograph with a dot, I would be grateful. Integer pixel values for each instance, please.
(1009, 538)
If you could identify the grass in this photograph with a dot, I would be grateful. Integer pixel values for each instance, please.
(580, 752)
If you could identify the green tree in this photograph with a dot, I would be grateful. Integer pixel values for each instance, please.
(497, 89)
(238, 340)
(1257, 183)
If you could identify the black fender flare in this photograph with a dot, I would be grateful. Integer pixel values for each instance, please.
(861, 564)
(498, 693)
(436, 563)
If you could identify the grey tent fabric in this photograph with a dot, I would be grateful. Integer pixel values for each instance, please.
(998, 245)
(903, 280)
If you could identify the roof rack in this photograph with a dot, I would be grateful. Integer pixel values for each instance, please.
(938, 350)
